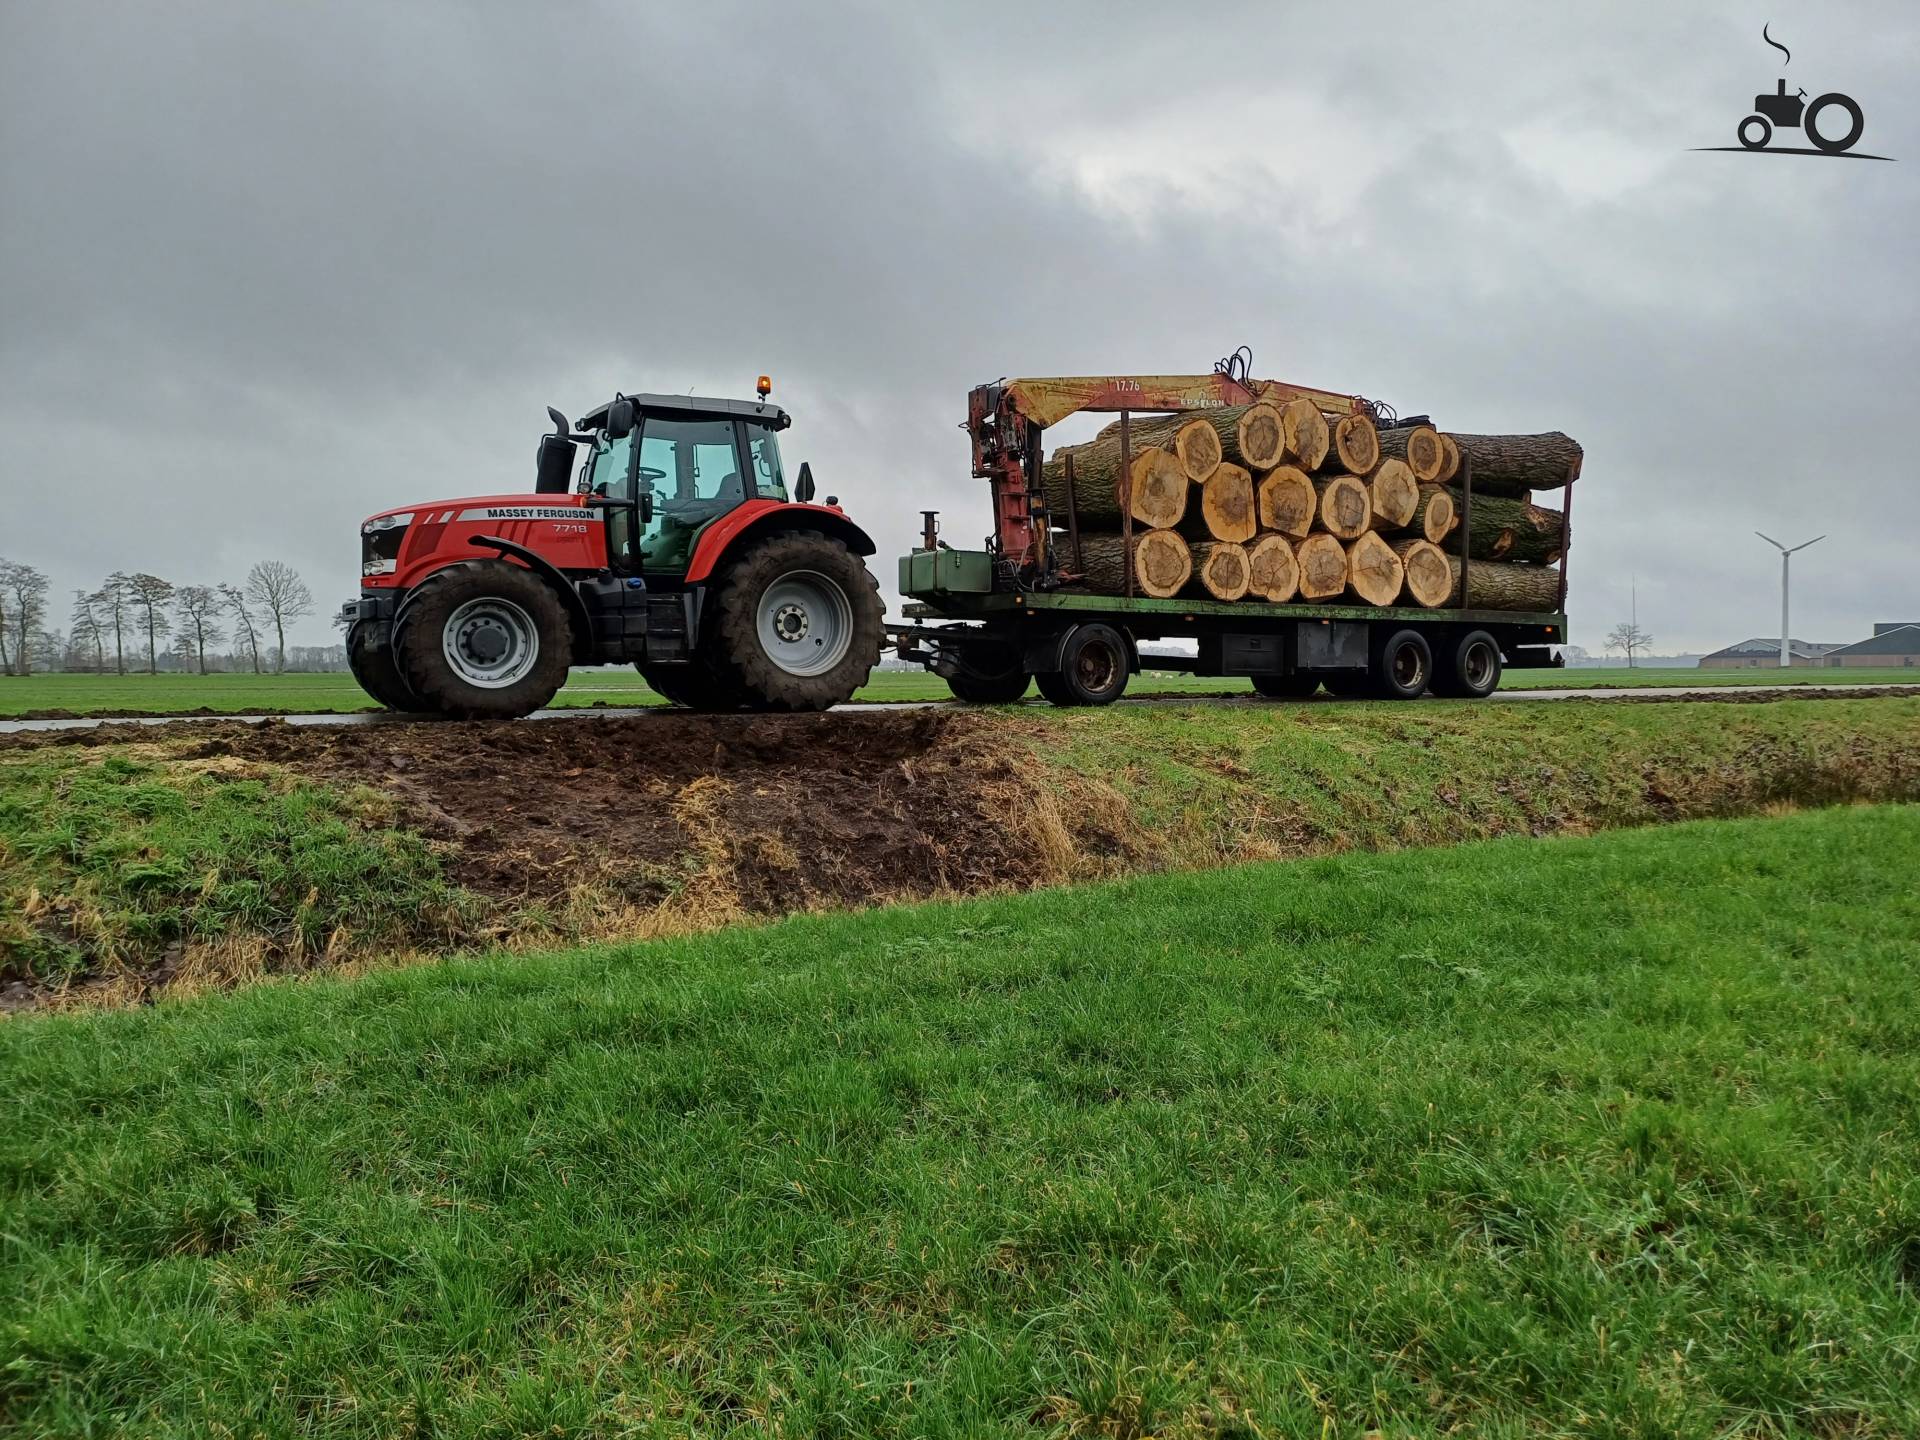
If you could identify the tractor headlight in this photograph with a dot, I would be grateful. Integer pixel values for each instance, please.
(386, 522)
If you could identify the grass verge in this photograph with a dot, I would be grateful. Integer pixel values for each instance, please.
(1607, 1137)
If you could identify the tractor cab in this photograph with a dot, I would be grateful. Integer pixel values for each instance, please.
(664, 467)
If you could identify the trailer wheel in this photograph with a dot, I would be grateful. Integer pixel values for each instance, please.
(692, 685)
(1402, 666)
(1469, 669)
(798, 624)
(988, 673)
(1297, 686)
(1348, 684)
(1095, 661)
(483, 640)
(377, 673)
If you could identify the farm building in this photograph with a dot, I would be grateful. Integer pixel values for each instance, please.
(1756, 654)
(1892, 643)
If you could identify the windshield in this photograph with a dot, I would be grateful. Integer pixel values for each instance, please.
(608, 475)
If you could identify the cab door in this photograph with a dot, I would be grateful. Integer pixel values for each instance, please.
(693, 470)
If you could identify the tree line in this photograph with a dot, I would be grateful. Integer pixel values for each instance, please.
(127, 619)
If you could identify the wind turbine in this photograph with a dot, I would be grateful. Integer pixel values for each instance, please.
(1786, 561)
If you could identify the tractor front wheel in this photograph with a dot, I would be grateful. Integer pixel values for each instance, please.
(377, 673)
(483, 640)
(798, 623)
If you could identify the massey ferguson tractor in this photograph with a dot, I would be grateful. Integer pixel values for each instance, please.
(672, 543)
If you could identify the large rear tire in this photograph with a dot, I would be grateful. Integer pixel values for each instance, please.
(377, 673)
(483, 640)
(798, 623)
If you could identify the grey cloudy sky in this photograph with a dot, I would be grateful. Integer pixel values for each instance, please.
(269, 268)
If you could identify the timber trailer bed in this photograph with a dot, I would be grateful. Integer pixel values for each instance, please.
(991, 621)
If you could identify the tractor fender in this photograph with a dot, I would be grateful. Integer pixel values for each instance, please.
(758, 518)
(555, 580)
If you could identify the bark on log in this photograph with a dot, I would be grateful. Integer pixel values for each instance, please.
(1159, 487)
(1288, 501)
(1511, 464)
(1189, 438)
(1272, 572)
(1429, 580)
(1419, 446)
(1511, 530)
(1436, 515)
(1374, 572)
(1394, 494)
(1304, 429)
(1345, 509)
(1249, 435)
(1496, 586)
(1227, 510)
(1323, 566)
(1356, 445)
(1220, 568)
(1161, 564)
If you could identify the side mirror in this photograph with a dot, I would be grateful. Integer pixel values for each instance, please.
(620, 418)
(803, 487)
(553, 473)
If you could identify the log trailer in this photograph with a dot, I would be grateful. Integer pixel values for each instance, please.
(993, 620)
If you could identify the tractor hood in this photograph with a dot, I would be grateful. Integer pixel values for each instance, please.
(396, 539)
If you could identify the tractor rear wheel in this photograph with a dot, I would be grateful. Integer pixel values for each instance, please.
(483, 640)
(798, 623)
(693, 686)
(377, 673)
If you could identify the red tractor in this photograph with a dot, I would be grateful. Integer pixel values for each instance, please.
(674, 545)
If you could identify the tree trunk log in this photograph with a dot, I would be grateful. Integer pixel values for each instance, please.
(1512, 464)
(1429, 579)
(1323, 566)
(1345, 509)
(1288, 502)
(1304, 430)
(1394, 494)
(1249, 435)
(1495, 586)
(1220, 568)
(1452, 449)
(1511, 530)
(1436, 514)
(1272, 572)
(1161, 564)
(1159, 487)
(1419, 446)
(1356, 445)
(1374, 572)
(1227, 510)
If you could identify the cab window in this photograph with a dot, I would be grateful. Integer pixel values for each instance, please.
(692, 470)
(763, 451)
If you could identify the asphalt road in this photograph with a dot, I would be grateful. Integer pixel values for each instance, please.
(1661, 692)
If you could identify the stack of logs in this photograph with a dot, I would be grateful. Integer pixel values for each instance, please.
(1280, 502)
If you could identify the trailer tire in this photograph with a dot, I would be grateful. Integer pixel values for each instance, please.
(483, 640)
(1468, 669)
(1402, 666)
(1348, 684)
(692, 686)
(1297, 686)
(1095, 661)
(785, 590)
(1001, 680)
(377, 673)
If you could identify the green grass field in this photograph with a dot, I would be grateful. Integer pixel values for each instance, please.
(1609, 1137)
(239, 693)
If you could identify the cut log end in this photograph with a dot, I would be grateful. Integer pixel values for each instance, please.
(1227, 504)
(1197, 445)
(1395, 495)
(1159, 488)
(1451, 448)
(1220, 568)
(1419, 446)
(1261, 436)
(1322, 561)
(1374, 572)
(1305, 431)
(1356, 444)
(1288, 501)
(1436, 515)
(1429, 579)
(1161, 565)
(1272, 572)
(1345, 508)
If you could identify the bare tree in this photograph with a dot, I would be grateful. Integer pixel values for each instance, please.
(115, 602)
(247, 634)
(147, 593)
(277, 590)
(85, 632)
(198, 608)
(1629, 637)
(23, 599)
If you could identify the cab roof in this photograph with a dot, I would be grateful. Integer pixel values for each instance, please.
(695, 407)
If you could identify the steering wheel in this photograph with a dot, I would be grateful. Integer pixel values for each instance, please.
(649, 474)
